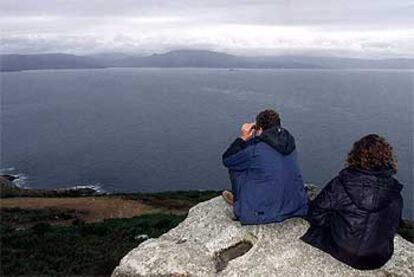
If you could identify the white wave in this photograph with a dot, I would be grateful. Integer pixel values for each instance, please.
(21, 180)
(96, 187)
(6, 170)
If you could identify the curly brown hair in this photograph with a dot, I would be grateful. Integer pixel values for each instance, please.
(267, 119)
(373, 153)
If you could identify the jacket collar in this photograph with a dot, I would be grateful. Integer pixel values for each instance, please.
(279, 139)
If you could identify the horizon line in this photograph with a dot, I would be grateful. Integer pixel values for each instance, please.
(128, 53)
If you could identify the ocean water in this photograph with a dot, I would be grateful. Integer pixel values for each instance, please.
(154, 129)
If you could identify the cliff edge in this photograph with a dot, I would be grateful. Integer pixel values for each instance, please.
(209, 243)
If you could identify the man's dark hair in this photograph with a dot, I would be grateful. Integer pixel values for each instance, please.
(267, 119)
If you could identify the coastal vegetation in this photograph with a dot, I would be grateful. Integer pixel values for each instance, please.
(92, 249)
(84, 235)
(69, 234)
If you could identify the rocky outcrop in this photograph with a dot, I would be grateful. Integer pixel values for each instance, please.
(7, 187)
(210, 243)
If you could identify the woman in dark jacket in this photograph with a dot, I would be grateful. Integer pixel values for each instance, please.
(357, 214)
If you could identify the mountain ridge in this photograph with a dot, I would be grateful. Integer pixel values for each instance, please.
(191, 58)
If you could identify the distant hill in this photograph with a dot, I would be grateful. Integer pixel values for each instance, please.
(17, 62)
(204, 58)
(184, 58)
(108, 59)
(192, 58)
(344, 63)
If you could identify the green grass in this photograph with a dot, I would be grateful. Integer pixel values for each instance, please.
(84, 249)
(173, 200)
(19, 216)
(81, 250)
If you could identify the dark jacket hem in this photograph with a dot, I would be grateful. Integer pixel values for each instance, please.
(317, 237)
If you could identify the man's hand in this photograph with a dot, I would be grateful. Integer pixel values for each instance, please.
(246, 131)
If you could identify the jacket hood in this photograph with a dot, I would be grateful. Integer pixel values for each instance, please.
(370, 190)
(280, 139)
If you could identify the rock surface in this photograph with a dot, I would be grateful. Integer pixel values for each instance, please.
(210, 243)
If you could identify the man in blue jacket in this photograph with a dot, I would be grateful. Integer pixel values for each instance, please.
(267, 184)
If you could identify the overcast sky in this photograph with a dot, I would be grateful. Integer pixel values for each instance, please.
(363, 28)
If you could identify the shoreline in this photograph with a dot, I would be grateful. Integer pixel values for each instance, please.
(9, 189)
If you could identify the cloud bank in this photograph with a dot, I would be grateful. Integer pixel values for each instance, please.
(370, 28)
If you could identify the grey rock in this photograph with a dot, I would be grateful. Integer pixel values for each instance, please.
(209, 243)
(312, 191)
(141, 237)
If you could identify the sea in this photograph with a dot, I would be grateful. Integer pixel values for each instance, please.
(154, 129)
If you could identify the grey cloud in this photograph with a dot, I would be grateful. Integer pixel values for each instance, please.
(262, 12)
(378, 26)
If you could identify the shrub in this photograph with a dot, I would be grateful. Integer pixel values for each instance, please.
(86, 249)
(41, 228)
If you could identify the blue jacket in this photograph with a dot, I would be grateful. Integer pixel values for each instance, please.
(266, 180)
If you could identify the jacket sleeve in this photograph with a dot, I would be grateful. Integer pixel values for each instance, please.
(237, 156)
(321, 208)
